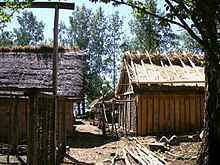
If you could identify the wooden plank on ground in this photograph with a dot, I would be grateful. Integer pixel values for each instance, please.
(150, 114)
(161, 117)
(144, 115)
(156, 113)
(177, 113)
(192, 113)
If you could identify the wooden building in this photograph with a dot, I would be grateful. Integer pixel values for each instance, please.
(27, 71)
(162, 93)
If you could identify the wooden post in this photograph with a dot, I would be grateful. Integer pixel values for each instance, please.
(113, 115)
(63, 121)
(15, 134)
(55, 68)
(78, 108)
(32, 131)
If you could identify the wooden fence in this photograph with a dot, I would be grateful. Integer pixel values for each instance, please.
(169, 113)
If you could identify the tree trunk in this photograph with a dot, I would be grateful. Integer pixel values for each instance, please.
(209, 152)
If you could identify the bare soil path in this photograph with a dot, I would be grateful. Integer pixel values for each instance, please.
(88, 146)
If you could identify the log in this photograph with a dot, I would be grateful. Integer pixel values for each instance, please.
(150, 157)
(125, 157)
(147, 151)
(136, 157)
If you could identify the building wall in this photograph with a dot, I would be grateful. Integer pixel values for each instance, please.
(13, 117)
(127, 113)
(169, 113)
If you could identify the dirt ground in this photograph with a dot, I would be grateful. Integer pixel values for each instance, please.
(87, 146)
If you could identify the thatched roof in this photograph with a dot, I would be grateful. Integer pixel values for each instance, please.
(161, 69)
(25, 70)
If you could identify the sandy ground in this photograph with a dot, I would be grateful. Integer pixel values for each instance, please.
(87, 146)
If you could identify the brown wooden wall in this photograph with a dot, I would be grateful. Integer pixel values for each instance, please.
(13, 116)
(169, 113)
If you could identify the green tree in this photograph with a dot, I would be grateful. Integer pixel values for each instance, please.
(6, 38)
(95, 32)
(204, 17)
(188, 43)
(11, 7)
(148, 33)
(98, 50)
(30, 31)
(63, 34)
(79, 32)
(115, 24)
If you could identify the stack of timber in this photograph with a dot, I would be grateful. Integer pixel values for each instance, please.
(137, 153)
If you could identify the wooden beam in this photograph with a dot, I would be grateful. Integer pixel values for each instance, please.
(61, 5)
(152, 66)
(194, 67)
(173, 68)
(168, 82)
(184, 66)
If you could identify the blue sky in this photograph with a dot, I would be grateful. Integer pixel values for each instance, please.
(47, 15)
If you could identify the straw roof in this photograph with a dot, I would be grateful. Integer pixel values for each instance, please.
(161, 69)
(26, 70)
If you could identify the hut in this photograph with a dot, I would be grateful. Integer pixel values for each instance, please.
(161, 93)
(26, 82)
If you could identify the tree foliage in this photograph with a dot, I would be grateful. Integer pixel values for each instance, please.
(11, 7)
(149, 34)
(100, 35)
(30, 31)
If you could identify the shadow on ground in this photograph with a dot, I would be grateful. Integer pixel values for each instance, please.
(89, 140)
(89, 137)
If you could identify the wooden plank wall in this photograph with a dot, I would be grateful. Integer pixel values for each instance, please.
(21, 108)
(169, 113)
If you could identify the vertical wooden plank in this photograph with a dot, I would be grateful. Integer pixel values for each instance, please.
(161, 118)
(177, 113)
(202, 109)
(120, 115)
(156, 113)
(32, 131)
(198, 111)
(167, 112)
(192, 113)
(150, 114)
(187, 112)
(139, 108)
(63, 121)
(172, 113)
(182, 114)
(144, 115)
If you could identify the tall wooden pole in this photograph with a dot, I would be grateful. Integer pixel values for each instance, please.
(55, 78)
